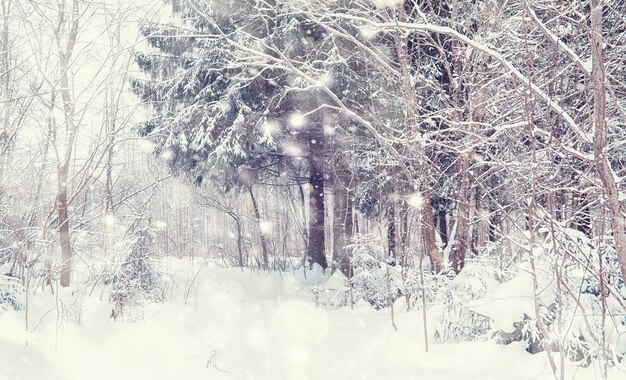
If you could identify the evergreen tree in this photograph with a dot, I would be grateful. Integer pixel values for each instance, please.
(230, 87)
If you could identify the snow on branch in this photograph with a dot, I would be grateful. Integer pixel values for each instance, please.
(427, 27)
(585, 66)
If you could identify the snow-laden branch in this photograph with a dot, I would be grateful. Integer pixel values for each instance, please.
(427, 27)
(585, 66)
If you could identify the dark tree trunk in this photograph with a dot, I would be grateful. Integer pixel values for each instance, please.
(316, 248)
(404, 234)
(391, 233)
(428, 235)
(460, 243)
(494, 224)
(257, 216)
(348, 227)
(442, 225)
(342, 226)
(477, 229)
(305, 233)
(240, 257)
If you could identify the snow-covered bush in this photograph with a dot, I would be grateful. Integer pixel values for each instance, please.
(567, 296)
(581, 310)
(369, 279)
(333, 293)
(10, 291)
(135, 280)
(459, 323)
(582, 261)
(432, 283)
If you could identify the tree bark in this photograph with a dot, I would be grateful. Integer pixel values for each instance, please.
(6, 134)
(461, 236)
(494, 223)
(65, 53)
(64, 228)
(342, 226)
(478, 227)
(257, 217)
(600, 135)
(427, 226)
(391, 233)
(442, 225)
(428, 236)
(404, 233)
(240, 257)
(316, 252)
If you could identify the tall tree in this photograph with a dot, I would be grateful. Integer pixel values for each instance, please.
(228, 90)
(600, 141)
(66, 31)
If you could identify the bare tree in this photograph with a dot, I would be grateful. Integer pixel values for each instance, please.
(603, 166)
(66, 32)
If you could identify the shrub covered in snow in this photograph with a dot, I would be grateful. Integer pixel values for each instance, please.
(416, 279)
(573, 312)
(135, 280)
(333, 293)
(567, 297)
(459, 323)
(369, 279)
(10, 291)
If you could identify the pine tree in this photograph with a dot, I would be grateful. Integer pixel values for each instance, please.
(228, 100)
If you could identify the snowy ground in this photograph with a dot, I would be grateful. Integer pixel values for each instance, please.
(228, 324)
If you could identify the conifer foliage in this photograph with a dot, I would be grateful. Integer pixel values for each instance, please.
(230, 86)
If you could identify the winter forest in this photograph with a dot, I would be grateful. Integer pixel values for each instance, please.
(312, 189)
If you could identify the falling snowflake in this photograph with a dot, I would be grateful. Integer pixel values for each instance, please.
(266, 226)
(416, 200)
(297, 120)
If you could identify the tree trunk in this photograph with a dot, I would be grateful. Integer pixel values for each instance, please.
(6, 134)
(316, 248)
(342, 226)
(240, 257)
(442, 225)
(427, 226)
(600, 135)
(65, 49)
(494, 224)
(391, 233)
(64, 228)
(108, 184)
(305, 233)
(404, 233)
(428, 236)
(478, 227)
(461, 236)
(257, 217)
